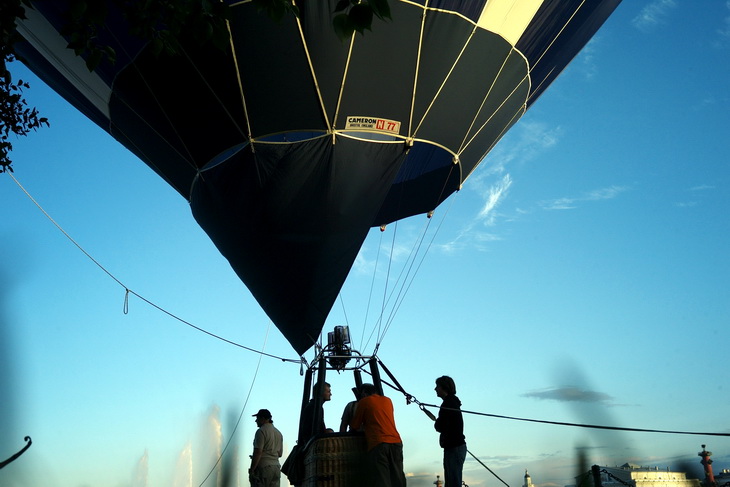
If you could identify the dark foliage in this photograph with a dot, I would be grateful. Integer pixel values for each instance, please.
(161, 22)
(16, 118)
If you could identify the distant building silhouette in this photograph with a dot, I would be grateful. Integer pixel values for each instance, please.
(528, 480)
(722, 479)
(630, 475)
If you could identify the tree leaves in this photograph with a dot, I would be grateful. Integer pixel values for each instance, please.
(358, 16)
(162, 23)
(15, 116)
(277, 9)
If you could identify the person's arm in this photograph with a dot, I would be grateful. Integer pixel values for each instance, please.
(347, 416)
(255, 459)
(357, 418)
(445, 420)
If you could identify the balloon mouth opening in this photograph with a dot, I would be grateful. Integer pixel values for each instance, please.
(224, 155)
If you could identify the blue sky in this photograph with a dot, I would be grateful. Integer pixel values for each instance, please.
(581, 275)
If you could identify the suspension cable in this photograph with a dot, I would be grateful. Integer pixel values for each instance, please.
(410, 399)
(243, 408)
(581, 425)
(129, 291)
(422, 406)
(410, 277)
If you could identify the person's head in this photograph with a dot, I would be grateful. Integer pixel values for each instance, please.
(445, 386)
(326, 392)
(263, 416)
(367, 390)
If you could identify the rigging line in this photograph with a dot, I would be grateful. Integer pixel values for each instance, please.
(403, 280)
(129, 291)
(245, 403)
(211, 334)
(581, 425)
(317, 88)
(534, 91)
(410, 399)
(423, 258)
(404, 288)
(517, 115)
(557, 423)
(213, 92)
(385, 289)
(418, 68)
(445, 80)
(344, 80)
(344, 311)
(575, 12)
(180, 139)
(486, 122)
(484, 101)
(405, 284)
(422, 406)
(489, 469)
(240, 85)
(12, 176)
(370, 294)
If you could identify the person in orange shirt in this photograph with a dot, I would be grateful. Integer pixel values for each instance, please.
(374, 413)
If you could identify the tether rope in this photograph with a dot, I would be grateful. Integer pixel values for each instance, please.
(410, 277)
(245, 403)
(422, 405)
(410, 399)
(581, 425)
(129, 291)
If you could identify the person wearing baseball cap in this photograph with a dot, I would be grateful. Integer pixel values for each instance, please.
(268, 445)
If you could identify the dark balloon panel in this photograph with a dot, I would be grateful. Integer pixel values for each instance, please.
(292, 143)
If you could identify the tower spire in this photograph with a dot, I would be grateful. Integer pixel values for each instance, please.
(707, 463)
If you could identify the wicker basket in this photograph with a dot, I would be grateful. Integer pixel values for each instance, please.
(335, 461)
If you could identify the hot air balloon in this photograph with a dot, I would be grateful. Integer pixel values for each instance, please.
(291, 144)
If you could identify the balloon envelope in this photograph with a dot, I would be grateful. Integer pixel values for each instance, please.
(291, 144)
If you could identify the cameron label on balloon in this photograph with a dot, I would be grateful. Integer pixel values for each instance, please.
(372, 123)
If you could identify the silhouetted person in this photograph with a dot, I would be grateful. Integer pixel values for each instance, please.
(265, 470)
(349, 412)
(450, 424)
(309, 414)
(385, 448)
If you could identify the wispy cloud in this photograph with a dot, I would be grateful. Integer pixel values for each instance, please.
(724, 30)
(473, 233)
(701, 187)
(653, 14)
(525, 142)
(393, 248)
(495, 195)
(695, 193)
(569, 203)
(570, 394)
(587, 58)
